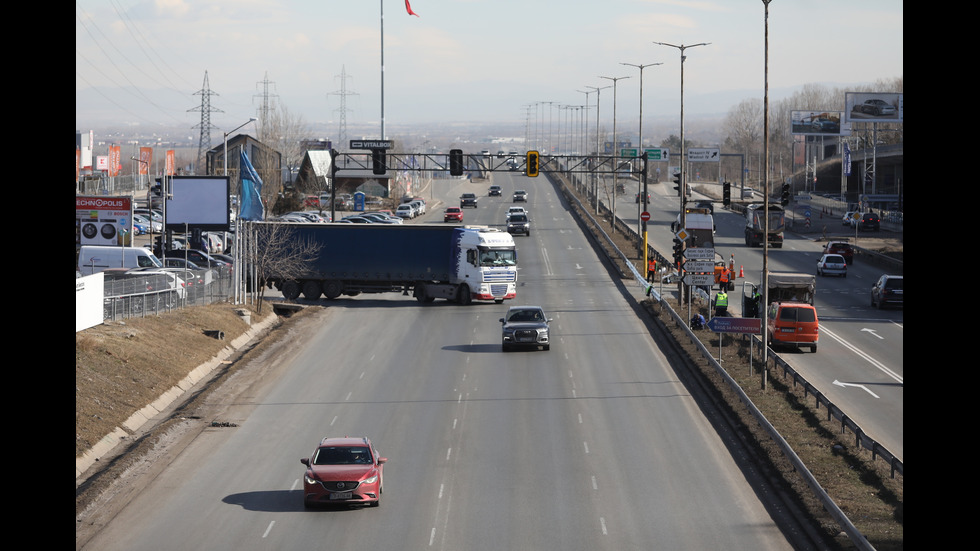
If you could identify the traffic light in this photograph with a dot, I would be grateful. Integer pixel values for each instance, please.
(678, 251)
(378, 161)
(726, 195)
(334, 162)
(532, 163)
(455, 162)
(785, 198)
(677, 182)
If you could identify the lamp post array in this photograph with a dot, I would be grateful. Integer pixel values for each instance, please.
(566, 145)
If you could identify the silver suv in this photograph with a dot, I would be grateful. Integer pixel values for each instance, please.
(525, 326)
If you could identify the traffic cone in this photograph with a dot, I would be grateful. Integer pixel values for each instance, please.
(741, 272)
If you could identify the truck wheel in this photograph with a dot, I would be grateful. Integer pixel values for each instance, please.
(332, 289)
(312, 289)
(464, 297)
(419, 293)
(290, 290)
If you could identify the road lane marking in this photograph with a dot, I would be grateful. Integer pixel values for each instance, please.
(866, 389)
(881, 367)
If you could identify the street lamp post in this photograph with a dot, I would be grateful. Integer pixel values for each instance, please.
(251, 119)
(683, 182)
(585, 126)
(615, 145)
(639, 243)
(595, 180)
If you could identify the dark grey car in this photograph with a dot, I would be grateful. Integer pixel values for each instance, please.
(525, 326)
(519, 223)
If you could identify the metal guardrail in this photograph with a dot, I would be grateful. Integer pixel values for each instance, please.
(833, 412)
(855, 535)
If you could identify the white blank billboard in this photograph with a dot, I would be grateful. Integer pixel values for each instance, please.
(199, 202)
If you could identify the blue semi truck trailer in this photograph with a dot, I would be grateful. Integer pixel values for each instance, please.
(460, 264)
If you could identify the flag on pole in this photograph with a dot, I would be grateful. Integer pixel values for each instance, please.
(251, 203)
(408, 7)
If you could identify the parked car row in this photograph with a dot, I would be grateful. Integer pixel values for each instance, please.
(373, 217)
(304, 216)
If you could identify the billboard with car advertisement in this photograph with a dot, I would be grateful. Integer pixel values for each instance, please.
(821, 123)
(873, 107)
(103, 220)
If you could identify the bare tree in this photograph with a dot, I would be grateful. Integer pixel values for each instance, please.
(282, 132)
(274, 250)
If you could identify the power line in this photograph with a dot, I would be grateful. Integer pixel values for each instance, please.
(204, 143)
(264, 108)
(343, 93)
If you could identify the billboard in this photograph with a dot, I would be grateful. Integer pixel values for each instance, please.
(874, 107)
(103, 220)
(819, 123)
(198, 202)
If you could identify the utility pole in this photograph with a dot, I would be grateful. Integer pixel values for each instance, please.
(765, 199)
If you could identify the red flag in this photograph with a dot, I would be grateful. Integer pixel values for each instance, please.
(409, 8)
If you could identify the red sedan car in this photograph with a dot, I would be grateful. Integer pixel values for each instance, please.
(344, 471)
(453, 214)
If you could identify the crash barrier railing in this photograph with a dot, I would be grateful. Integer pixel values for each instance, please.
(835, 413)
(856, 537)
(132, 294)
(862, 439)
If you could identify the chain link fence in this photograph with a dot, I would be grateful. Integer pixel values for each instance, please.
(136, 293)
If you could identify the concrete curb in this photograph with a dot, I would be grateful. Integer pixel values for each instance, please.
(141, 417)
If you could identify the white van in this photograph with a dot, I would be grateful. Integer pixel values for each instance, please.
(95, 258)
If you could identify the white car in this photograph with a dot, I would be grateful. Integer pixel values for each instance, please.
(405, 210)
(515, 210)
(419, 206)
(848, 219)
(832, 264)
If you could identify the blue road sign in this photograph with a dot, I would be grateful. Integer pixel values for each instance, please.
(735, 325)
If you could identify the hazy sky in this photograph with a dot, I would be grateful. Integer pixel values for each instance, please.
(143, 61)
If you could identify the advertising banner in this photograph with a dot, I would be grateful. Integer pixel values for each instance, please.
(103, 220)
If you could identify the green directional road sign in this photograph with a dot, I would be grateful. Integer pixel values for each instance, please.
(657, 153)
(630, 152)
